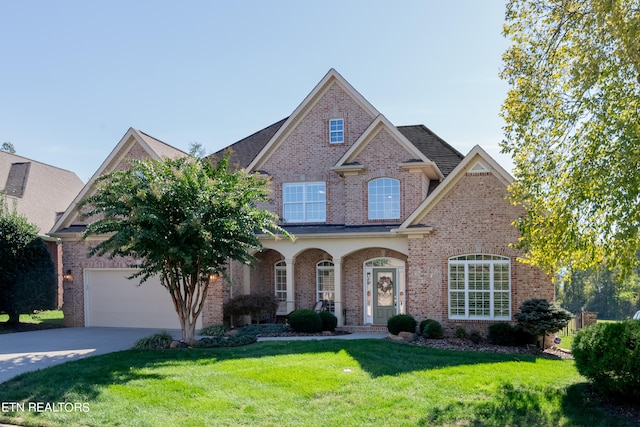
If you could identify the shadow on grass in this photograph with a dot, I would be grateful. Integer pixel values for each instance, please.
(512, 406)
(85, 377)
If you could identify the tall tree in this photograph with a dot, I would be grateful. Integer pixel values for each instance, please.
(184, 218)
(27, 275)
(8, 147)
(573, 129)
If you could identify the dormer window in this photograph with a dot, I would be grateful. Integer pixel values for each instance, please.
(336, 131)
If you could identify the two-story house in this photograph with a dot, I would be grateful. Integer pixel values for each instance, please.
(387, 220)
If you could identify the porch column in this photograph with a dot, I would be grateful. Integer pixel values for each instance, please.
(337, 277)
(291, 295)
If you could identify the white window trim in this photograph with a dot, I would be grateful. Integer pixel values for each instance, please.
(369, 210)
(492, 291)
(304, 202)
(320, 295)
(332, 132)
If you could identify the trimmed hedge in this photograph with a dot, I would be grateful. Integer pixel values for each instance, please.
(329, 321)
(401, 323)
(508, 335)
(432, 329)
(608, 354)
(305, 320)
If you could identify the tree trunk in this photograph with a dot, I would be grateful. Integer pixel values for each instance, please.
(188, 330)
(14, 318)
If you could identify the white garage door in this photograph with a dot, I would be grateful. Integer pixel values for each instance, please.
(113, 300)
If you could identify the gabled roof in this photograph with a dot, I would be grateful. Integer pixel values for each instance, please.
(477, 156)
(416, 157)
(39, 191)
(332, 77)
(245, 151)
(432, 146)
(156, 150)
(425, 145)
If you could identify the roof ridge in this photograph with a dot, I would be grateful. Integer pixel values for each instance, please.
(39, 162)
(435, 135)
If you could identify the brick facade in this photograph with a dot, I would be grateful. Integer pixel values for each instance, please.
(466, 214)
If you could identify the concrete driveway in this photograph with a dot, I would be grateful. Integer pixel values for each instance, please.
(29, 351)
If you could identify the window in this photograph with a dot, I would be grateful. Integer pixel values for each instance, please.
(325, 283)
(281, 281)
(304, 202)
(384, 198)
(480, 287)
(336, 131)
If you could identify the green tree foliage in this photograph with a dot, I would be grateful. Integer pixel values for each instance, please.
(539, 317)
(184, 218)
(602, 290)
(573, 129)
(27, 274)
(8, 147)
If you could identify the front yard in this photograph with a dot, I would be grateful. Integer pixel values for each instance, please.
(31, 322)
(333, 382)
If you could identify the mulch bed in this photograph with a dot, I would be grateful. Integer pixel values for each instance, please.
(467, 345)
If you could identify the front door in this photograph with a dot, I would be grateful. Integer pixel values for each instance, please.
(384, 295)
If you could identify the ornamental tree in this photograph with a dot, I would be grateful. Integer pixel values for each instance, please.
(572, 118)
(540, 317)
(27, 274)
(184, 219)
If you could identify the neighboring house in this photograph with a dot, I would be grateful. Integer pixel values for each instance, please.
(41, 193)
(387, 220)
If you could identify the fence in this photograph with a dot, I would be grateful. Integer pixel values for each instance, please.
(581, 320)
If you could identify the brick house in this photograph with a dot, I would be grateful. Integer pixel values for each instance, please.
(387, 220)
(40, 192)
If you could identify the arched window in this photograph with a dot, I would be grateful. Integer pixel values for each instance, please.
(384, 198)
(280, 281)
(325, 283)
(480, 287)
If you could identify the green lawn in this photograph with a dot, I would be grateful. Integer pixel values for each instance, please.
(38, 320)
(284, 383)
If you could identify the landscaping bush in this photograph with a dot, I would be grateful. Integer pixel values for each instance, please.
(256, 306)
(213, 331)
(430, 328)
(475, 336)
(461, 332)
(329, 321)
(608, 354)
(539, 317)
(227, 341)
(156, 341)
(401, 323)
(307, 321)
(501, 334)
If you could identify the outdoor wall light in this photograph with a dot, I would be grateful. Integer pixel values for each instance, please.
(67, 277)
(213, 277)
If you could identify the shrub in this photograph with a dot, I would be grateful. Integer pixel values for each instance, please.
(156, 341)
(268, 329)
(401, 323)
(501, 334)
(608, 354)
(256, 306)
(461, 332)
(227, 341)
(213, 330)
(539, 317)
(307, 321)
(430, 328)
(329, 321)
(475, 336)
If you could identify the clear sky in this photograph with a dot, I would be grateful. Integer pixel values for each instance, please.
(75, 75)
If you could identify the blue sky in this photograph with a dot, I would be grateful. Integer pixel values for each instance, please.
(75, 75)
